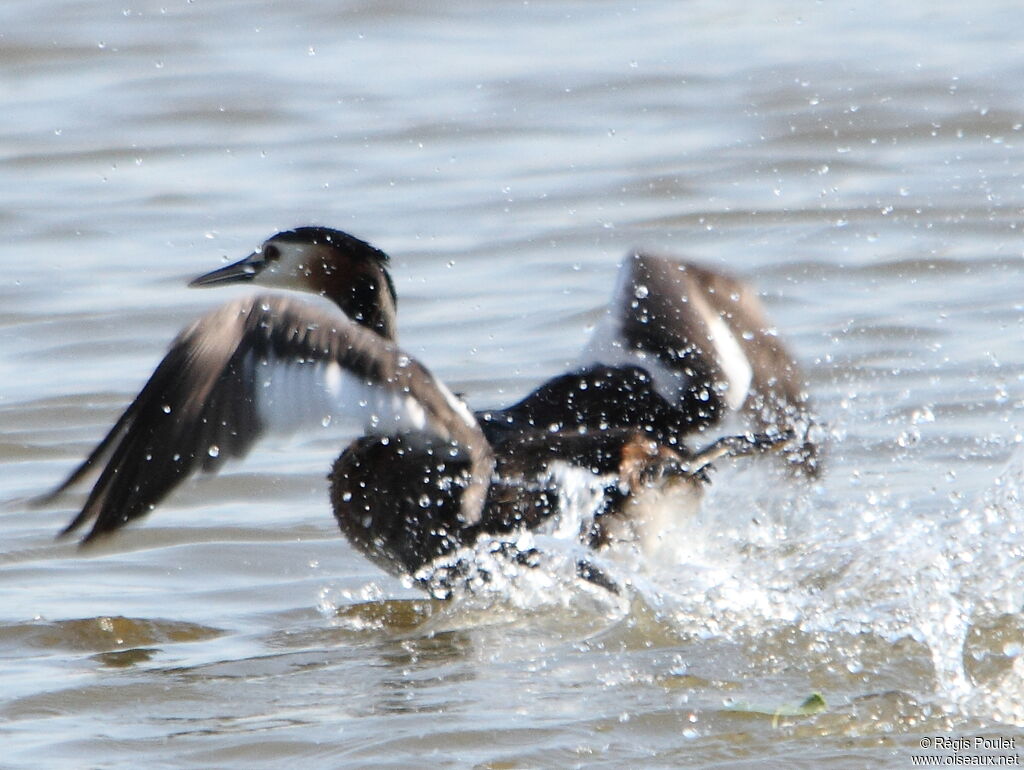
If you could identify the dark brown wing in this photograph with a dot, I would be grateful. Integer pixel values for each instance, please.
(706, 341)
(212, 397)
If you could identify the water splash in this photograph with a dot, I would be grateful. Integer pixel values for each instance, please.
(885, 590)
(884, 571)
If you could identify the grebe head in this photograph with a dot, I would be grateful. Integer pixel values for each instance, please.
(321, 261)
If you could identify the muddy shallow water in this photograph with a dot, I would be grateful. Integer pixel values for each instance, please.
(862, 165)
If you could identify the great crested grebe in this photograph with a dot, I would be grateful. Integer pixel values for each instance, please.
(680, 347)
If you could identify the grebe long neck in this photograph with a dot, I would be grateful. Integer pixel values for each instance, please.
(367, 297)
(344, 269)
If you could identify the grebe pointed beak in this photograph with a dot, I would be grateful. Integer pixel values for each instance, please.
(237, 272)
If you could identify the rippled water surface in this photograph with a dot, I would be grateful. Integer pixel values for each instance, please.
(861, 163)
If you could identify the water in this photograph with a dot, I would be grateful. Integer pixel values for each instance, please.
(861, 163)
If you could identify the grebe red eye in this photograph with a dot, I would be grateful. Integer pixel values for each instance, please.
(271, 253)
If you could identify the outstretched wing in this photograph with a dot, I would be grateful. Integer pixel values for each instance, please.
(268, 363)
(704, 338)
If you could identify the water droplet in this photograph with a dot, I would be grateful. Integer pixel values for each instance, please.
(213, 451)
(166, 408)
(641, 291)
(909, 437)
(921, 415)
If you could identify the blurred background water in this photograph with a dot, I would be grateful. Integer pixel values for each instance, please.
(861, 164)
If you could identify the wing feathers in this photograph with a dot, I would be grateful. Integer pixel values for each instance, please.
(703, 337)
(264, 362)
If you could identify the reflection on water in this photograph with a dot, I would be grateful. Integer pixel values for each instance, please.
(861, 164)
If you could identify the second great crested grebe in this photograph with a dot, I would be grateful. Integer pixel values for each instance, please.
(679, 348)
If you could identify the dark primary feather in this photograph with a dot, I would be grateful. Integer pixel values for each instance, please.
(170, 430)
